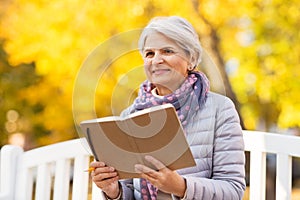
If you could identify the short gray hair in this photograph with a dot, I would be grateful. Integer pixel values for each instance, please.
(177, 29)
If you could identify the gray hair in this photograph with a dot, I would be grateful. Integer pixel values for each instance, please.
(177, 29)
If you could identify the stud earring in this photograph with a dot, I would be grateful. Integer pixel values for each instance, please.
(190, 68)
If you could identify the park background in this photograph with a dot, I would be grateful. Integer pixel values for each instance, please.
(254, 44)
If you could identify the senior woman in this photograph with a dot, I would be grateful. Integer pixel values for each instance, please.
(171, 51)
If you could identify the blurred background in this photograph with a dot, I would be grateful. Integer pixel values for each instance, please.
(254, 44)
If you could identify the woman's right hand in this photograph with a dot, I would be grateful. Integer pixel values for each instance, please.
(106, 178)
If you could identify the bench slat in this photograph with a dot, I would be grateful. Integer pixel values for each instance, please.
(43, 182)
(80, 191)
(62, 179)
(283, 176)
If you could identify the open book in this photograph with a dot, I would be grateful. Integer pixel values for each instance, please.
(124, 142)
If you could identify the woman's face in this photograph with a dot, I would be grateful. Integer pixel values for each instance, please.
(165, 63)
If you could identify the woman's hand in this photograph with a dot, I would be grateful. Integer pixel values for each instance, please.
(164, 179)
(106, 178)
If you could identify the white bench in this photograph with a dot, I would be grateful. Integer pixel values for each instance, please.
(285, 147)
(45, 172)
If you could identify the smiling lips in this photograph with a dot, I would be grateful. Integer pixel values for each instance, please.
(160, 71)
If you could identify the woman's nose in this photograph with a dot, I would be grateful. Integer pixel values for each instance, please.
(157, 58)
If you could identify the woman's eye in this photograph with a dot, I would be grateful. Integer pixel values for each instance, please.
(168, 51)
(149, 54)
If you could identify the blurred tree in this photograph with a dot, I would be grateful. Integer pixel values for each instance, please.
(13, 108)
(262, 61)
(250, 42)
(58, 45)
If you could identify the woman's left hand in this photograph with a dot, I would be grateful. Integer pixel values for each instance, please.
(164, 179)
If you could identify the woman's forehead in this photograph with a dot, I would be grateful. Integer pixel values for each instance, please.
(159, 41)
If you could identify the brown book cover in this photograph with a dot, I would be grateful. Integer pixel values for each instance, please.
(124, 142)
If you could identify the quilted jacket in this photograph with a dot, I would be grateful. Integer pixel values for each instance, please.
(215, 138)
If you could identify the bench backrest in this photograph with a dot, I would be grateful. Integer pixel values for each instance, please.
(45, 172)
(285, 147)
(51, 172)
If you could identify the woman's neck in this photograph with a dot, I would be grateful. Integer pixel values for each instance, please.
(169, 88)
(163, 91)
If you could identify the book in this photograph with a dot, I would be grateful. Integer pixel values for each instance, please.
(122, 142)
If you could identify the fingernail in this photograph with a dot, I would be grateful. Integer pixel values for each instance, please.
(148, 157)
(137, 168)
(111, 169)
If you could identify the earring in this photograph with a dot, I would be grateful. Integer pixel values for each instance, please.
(190, 68)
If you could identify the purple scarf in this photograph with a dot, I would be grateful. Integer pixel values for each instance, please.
(187, 99)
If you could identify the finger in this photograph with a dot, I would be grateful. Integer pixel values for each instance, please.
(149, 178)
(143, 169)
(102, 170)
(103, 184)
(96, 164)
(159, 165)
(104, 176)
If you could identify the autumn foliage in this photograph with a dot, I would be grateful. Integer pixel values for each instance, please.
(254, 44)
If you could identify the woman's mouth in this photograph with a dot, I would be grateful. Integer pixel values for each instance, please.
(160, 71)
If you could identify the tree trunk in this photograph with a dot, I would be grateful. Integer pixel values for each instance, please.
(213, 64)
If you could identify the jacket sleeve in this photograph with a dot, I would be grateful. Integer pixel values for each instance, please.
(127, 189)
(228, 159)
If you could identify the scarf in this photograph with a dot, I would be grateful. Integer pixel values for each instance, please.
(187, 99)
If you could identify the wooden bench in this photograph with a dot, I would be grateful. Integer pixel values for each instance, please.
(57, 171)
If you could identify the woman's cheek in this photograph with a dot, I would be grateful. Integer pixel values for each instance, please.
(147, 71)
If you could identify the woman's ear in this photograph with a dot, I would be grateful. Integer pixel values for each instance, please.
(192, 64)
